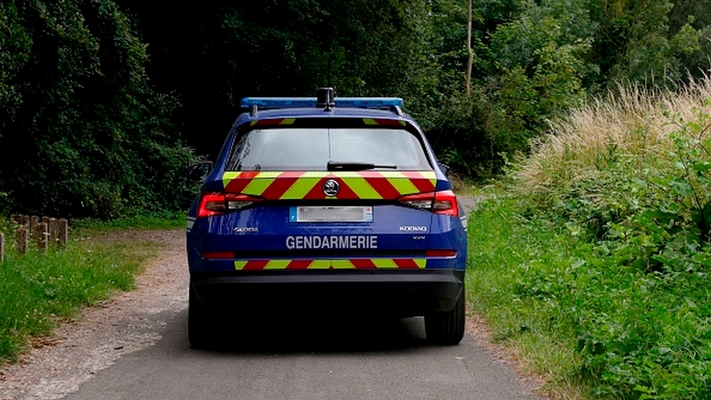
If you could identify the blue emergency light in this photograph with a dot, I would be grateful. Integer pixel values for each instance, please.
(302, 102)
(369, 102)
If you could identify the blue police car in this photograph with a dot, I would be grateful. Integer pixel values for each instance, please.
(327, 204)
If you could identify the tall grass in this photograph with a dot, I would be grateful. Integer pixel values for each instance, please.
(596, 264)
(628, 122)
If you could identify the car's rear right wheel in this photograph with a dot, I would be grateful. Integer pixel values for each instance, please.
(446, 328)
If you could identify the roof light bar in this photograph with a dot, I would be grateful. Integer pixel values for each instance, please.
(301, 102)
(369, 102)
(278, 102)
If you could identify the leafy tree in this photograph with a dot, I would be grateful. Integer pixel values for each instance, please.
(637, 43)
(86, 136)
(14, 53)
(285, 48)
(694, 14)
(530, 68)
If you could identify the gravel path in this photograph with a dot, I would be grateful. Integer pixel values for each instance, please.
(469, 203)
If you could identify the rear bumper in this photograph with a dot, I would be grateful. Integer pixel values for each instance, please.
(401, 293)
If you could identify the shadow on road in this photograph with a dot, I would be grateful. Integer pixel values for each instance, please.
(314, 334)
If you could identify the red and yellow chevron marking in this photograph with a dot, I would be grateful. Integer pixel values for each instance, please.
(355, 263)
(365, 185)
(275, 121)
(384, 122)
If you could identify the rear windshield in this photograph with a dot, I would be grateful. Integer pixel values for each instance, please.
(312, 148)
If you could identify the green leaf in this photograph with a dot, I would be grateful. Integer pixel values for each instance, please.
(702, 166)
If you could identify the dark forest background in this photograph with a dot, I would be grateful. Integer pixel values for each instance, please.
(103, 103)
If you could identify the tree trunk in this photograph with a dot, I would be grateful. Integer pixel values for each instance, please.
(469, 50)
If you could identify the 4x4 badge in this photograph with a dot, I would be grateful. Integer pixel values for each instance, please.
(331, 188)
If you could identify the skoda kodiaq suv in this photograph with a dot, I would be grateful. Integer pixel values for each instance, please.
(327, 203)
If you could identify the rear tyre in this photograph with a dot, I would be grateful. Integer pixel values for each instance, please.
(446, 328)
(198, 321)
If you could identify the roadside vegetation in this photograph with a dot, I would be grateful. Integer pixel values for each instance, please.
(42, 290)
(591, 258)
(155, 220)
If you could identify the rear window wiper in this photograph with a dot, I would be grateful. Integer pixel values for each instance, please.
(355, 166)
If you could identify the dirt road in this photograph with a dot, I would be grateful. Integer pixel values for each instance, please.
(135, 347)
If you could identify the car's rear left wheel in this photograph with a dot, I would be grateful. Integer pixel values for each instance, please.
(447, 328)
(198, 321)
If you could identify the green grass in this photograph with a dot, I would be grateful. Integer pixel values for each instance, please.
(166, 220)
(38, 291)
(583, 312)
(508, 250)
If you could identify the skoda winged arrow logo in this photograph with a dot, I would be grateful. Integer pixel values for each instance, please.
(331, 188)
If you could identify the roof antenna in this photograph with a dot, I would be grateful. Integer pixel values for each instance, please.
(325, 98)
(328, 71)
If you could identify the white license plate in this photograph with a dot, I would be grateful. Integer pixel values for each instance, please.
(331, 214)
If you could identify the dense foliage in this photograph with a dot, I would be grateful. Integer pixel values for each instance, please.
(215, 54)
(606, 245)
(82, 132)
(532, 60)
(98, 139)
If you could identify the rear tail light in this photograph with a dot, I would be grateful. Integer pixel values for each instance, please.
(441, 253)
(221, 203)
(443, 202)
(218, 255)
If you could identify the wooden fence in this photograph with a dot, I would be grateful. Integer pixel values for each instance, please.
(38, 232)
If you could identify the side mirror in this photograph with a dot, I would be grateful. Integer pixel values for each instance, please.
(198, 172)
(445, 168)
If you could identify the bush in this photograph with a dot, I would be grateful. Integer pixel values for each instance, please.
(620, 197)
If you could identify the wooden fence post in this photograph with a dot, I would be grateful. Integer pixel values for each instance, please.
(22, 240)
(63, 233)
(35, 231)
(50, 231)
(2, 247)
(53, 231)
(42, 237)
